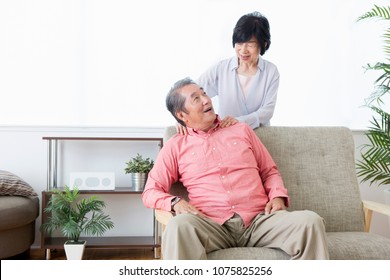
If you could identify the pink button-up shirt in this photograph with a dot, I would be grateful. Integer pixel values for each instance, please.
(225, 171)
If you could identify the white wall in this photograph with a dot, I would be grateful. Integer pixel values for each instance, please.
(111, 62)
(23, 152)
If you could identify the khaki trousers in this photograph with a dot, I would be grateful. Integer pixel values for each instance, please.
(301, 234)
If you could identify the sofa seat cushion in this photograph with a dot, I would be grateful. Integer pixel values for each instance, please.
(17, 211)
(248, 253)
(358, 246)
(342, 246)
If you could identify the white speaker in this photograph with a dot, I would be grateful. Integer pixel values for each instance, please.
(92, 180)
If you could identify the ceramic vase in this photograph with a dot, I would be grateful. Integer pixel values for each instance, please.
(74, 251)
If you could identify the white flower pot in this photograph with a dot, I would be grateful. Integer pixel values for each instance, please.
(74, 251)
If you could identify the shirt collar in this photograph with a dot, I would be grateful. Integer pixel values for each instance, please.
(196, 132)
(234, 63)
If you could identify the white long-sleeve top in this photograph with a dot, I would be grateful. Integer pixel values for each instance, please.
(258, 107)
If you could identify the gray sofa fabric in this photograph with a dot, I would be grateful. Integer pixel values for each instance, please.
(318, 168)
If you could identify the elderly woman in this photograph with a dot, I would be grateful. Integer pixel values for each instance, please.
(246, 84)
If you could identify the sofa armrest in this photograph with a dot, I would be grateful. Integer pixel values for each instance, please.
(162, 217)
(369, 207)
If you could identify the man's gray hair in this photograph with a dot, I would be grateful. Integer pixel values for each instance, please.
(175, 101)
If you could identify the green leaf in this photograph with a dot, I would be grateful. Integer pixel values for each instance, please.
(374, 167)
(139, 164)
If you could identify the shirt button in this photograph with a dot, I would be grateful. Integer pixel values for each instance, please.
(233, 207)
(223, 177)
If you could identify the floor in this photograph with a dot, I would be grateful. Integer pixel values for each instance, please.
(93, 254)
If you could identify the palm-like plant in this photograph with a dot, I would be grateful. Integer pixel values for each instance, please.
(375, 164)
(70, 215)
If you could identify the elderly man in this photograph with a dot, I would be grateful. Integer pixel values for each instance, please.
(236, 194)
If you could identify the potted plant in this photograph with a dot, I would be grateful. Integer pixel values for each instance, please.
(139, 168)
(374, 166)
(73, 216)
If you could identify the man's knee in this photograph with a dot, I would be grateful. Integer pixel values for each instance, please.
(310, 219)
(182, 221)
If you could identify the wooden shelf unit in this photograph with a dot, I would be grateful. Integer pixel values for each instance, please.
(106, 242)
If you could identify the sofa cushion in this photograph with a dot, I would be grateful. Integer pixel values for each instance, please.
(342, 246)
(11, 184)
(358, 246)
(17, 211)
(248, 253)
(317, 165)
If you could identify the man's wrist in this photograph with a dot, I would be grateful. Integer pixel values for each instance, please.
(175, 201)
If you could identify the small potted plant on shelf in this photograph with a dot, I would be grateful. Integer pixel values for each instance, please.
(139, 168)
(73, 216)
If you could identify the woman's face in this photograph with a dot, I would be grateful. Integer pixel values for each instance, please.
(249, 51)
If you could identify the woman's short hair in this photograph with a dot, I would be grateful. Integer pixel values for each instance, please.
(175, 101)
(253, 24)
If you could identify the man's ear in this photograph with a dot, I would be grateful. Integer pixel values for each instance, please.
(181, 116)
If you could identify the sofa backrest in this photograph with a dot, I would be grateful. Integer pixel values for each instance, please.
(317, 165)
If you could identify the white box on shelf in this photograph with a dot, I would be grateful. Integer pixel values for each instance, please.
(92, 180)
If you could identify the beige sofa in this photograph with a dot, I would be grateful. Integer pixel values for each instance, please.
(318, 167)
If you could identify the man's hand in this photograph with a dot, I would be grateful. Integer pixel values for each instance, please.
(183, 207)
(228, 121)
(274, 205)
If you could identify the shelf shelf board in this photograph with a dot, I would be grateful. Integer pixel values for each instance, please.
(151, 139)
(127, 190)
(112, 242)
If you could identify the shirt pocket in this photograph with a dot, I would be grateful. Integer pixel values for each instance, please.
(193, 161)
(238, 152)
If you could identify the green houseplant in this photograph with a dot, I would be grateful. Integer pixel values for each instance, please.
(73, 216)
(139, 168)
(374, 166)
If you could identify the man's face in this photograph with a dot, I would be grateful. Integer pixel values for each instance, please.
(200, 112)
